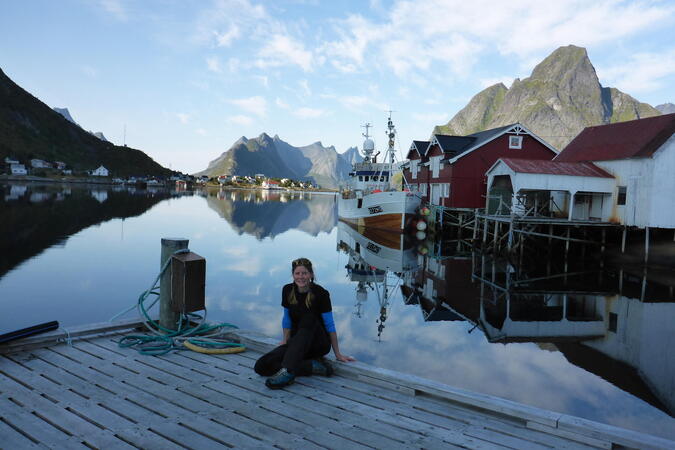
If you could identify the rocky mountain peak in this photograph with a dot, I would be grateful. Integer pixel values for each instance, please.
(561, 97)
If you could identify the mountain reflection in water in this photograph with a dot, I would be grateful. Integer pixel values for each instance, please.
(39, 216)
(616, 323)
(263, 213)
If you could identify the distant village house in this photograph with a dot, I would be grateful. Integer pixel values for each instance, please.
(100, 172)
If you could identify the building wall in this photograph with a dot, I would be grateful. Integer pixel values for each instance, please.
(468, 183)
(635, 174)
(662, 210)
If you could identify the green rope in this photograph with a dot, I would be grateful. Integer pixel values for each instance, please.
(165, 340)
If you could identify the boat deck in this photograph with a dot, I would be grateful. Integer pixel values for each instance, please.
(89, 393)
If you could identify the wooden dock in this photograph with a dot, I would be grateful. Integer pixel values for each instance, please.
(89, 393)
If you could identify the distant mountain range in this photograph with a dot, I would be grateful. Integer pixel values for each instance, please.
(66, 114)
(30, 129)
(666, 108)
(561, 97)
(278, 159)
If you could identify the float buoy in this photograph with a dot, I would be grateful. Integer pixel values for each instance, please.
(420, 235)
(421, 225)
(425, 211)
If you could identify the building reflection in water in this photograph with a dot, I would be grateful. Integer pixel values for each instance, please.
(37, 216)
(615, 322)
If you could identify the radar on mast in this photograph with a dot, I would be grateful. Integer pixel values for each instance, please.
(368, 144)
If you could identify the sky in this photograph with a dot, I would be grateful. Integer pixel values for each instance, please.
(182, 80)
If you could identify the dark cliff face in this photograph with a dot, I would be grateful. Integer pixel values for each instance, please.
(31, 129)
(561, 97)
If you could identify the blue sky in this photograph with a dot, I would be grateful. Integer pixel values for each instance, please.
(188, 78)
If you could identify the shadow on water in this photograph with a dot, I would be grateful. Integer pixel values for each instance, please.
(36, 217)
(610, 320)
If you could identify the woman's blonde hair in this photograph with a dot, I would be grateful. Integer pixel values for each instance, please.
(307, 264)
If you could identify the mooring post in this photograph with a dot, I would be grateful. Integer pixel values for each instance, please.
(623, 239)
(646, 244)
(167, 317)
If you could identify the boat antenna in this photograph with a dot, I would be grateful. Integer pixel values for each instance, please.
(391, 134)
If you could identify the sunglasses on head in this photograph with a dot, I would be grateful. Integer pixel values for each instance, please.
(301, 262)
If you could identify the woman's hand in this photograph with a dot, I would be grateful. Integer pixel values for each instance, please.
(344, 358)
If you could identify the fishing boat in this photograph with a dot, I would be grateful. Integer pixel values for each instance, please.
(369, 198)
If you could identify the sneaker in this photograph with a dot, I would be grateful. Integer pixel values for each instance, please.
(280, 379)
(321, 367)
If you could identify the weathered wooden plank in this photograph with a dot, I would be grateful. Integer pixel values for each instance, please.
(503, 439)
(570, 436)
(229, 435)
(190, 439)
(146, 439)
(63, 334)
(32, 425)
(11, 438)
(615, 435)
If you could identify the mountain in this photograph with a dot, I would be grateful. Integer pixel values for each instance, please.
(561, 97)
(30, 129)
(276, 158)
(99, 135)
(352, 155)
(66, 114)
(666, 108)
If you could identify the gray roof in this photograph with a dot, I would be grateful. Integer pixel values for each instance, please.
(456, 145)
(421, 146)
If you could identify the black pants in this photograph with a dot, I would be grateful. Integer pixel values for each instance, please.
(309, 342)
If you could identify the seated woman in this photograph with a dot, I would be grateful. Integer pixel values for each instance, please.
(308, 331)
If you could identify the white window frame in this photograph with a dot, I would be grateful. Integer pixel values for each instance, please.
(435, 166)
(515, 142)
(423, 188)
(446, 190)
(414, 166)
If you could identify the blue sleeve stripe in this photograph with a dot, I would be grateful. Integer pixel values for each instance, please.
(286, 320)
(328, 321)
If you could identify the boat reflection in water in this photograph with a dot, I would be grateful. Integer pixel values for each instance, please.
(378, 262)
(616, 323)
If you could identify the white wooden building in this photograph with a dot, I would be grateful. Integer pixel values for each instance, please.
(527, 187)
(18, 169)
(640, 154)
(100, 172)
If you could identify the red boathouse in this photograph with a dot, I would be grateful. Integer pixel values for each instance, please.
(450, 170)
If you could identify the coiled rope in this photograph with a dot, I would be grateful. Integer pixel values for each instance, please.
(193, 331)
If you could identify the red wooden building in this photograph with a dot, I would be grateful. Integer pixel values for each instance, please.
(450, 170)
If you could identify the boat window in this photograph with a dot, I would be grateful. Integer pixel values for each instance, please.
(366, 178)
(360, 177)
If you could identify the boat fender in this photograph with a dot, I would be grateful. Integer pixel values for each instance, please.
(421, 225)
(212, 350)
(30, 331)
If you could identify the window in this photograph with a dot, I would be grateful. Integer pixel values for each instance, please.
(446, 190)
(621, 198)
(516, 142)
(414, 166)
(435, 166)
(366, 178)
(613, 322)
(360, 177)
(423, 189)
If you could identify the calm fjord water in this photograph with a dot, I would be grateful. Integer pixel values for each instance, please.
(81, 254)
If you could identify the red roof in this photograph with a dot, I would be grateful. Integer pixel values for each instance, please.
(577, 169)
(633, 139)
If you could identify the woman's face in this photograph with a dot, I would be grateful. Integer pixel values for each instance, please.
(302, 276)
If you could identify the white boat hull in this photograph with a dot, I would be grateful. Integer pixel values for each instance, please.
(389, 210)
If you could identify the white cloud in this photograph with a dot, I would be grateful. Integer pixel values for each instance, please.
(115, 8)
(308, 113)
(304, 85)
(225, 39)
(644, 72)
(213, 64)
(453, 34)
(201, 132)
(283, 50)
(89, 71)
(360, 102)
(240, 120)
(264, 80)
(487, 82)
(183, 117)
(281, 104)
(255, 105)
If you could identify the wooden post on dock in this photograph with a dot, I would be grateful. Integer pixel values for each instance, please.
(646, 244)
(167, 317)
(623, 239)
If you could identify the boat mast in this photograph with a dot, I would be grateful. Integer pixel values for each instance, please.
(368, 144)
(391, 134)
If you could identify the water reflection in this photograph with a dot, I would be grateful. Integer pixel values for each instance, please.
(36, 217)
(265, 214)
